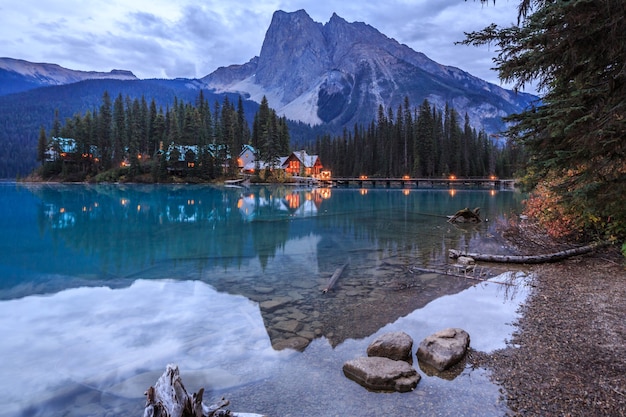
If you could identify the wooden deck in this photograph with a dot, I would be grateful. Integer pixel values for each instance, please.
(489, 183)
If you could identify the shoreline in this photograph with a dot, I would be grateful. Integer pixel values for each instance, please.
(567, 356)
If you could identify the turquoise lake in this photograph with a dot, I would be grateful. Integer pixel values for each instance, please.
(102, 286)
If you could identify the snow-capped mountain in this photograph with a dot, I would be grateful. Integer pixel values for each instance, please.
(17, 75)
(339, 73)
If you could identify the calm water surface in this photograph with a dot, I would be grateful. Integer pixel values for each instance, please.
(101, 286)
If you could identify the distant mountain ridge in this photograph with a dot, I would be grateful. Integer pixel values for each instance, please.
(329, 76)
(17, 75)
(332, 75)
(339, 73)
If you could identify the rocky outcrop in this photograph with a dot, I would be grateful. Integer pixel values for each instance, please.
(396, 345)
(382, 374)
(443, 349)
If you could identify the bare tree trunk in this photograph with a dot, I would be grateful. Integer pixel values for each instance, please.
(529, 259)
(333, 279)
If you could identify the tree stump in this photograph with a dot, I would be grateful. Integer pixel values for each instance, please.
(466, 216)
(169, 398)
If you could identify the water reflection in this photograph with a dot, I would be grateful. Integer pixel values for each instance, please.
(77, 352)
(82, 336)
(222, 280)
(277, 246)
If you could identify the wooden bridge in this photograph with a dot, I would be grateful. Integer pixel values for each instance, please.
(406, 182)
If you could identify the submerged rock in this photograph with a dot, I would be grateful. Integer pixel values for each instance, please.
(443, 349)
(296, 343)
(382, 374)
(395, 345)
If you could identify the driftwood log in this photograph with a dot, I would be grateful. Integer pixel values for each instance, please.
(333, 279)
(466, 216)
(529, 259)
(169, 398)
(472, 276)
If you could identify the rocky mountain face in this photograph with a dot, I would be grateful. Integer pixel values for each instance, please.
(17, 75)
(339, 73)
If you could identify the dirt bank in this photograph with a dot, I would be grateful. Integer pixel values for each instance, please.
(568, 357)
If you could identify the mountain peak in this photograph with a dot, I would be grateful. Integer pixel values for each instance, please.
(297, 42)
(337, 19)
(340, 73)
(281, 18)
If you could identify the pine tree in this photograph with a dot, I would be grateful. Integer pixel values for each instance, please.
(134, 137)
(119, 130)
(42, 145)
(425, 161)
(56, 125)
(104, 131)
(407, 138)
(576, 136)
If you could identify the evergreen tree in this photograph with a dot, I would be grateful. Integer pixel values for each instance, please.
(425, 161)
(119, 131)
(104, 131)
(261, 131)
(56, 125)
(407, 138)
(576, 136)
(135, 135)
(242, 135)
(42, 145)
(152, 136)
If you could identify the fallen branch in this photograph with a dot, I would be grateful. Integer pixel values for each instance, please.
(452, 274)
(529, 259)
(334, 278)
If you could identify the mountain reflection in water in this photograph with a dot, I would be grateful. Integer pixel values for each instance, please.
(108, 257)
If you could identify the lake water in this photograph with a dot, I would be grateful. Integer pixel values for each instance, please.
(101, 286)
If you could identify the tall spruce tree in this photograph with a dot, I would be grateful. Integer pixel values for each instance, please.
(576, 135)
(119, 130)
(42, 145)
(104, 131)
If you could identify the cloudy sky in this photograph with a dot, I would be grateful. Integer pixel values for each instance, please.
(187, 38)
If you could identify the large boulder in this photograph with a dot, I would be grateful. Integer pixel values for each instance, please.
(382, 374)
(395, 345)
(443, 349)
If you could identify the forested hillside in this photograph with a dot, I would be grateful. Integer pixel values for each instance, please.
(22, 115)
(128, 139)
(133, 139)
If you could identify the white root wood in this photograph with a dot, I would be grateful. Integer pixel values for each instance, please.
(169, 398)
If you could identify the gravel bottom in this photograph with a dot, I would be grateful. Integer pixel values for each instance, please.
(568, 357)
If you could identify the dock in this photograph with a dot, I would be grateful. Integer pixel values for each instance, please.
(405, 182)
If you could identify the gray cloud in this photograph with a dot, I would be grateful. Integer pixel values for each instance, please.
(185, 38)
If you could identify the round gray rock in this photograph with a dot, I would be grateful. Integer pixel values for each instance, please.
(395, 345)
(382, 374)
(443, 349)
